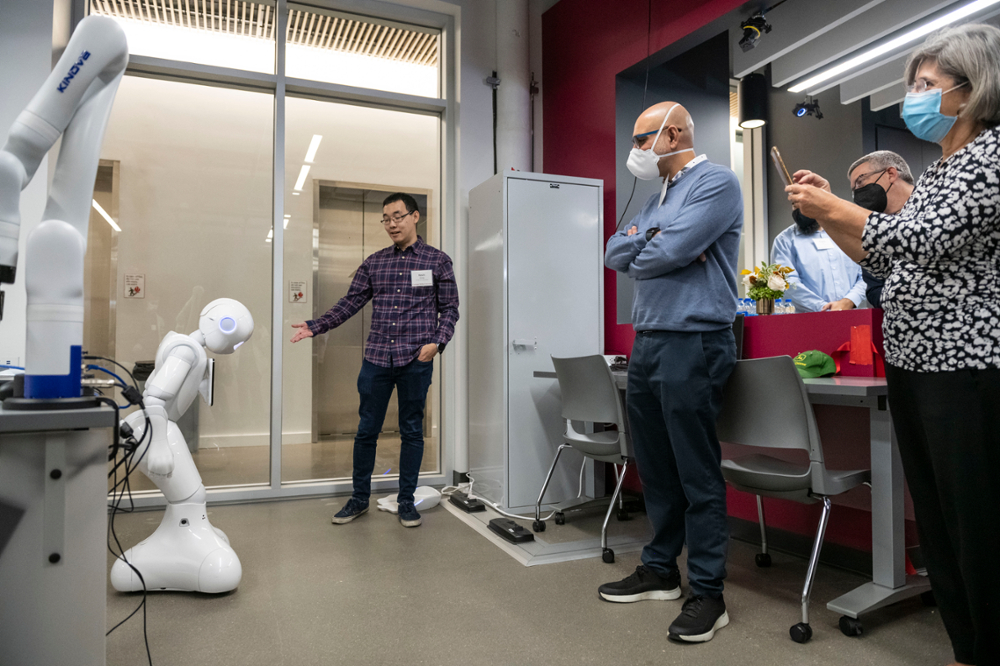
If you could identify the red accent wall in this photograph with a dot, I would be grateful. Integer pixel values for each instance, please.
(585, 44)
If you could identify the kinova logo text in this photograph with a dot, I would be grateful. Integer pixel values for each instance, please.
(73, 71)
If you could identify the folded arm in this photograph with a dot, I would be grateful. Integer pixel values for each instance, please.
(705, 216)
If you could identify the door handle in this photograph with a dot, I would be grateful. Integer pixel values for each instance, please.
(525, 344)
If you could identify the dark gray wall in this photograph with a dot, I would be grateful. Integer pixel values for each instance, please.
(827, 147)
(698, 79)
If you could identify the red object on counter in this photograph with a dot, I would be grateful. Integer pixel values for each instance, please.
(792, 334)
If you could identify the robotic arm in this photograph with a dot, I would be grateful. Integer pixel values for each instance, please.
(75, 102)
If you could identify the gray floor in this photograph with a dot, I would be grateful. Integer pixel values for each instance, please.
(330, 458)
(372, 592)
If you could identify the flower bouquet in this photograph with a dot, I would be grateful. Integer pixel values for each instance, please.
(766, 283)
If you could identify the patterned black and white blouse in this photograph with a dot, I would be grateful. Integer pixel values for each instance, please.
(941, 258)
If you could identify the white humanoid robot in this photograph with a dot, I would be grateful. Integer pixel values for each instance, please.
(74, 102)
(186, 552)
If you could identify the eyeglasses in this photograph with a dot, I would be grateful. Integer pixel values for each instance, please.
(923, 85)
(857, 181)
(637, 140)
(395, 218)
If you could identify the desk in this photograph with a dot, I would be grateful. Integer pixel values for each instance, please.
(889, 580)
(53, 543)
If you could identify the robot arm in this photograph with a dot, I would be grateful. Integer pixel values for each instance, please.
(76, 99)
(161, 388)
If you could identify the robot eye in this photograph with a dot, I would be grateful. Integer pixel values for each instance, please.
(227, 325)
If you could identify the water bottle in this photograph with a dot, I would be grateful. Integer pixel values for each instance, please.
(789, 306)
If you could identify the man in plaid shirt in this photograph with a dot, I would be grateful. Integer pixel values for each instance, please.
(415, 307)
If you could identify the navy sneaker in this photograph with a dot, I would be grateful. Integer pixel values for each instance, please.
(700, 618)
(641, 585)
(351, 510)
(408, 516)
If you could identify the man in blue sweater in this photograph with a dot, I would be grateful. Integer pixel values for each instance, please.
(681, 250)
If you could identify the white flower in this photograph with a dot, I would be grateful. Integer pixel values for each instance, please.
(746, 279)
(777, 283)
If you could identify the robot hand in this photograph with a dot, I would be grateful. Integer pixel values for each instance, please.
(158, 458)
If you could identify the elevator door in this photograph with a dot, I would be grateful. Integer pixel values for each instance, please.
(349, 229)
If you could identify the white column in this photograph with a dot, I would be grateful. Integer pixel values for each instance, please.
(513, 95)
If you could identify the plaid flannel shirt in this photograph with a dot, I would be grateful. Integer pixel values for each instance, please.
(404, 317)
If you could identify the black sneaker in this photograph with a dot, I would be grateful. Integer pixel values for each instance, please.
(700, 618)
(351, 510)
(408, 516)
(641, 585)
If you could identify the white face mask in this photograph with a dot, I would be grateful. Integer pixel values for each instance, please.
(644, 164)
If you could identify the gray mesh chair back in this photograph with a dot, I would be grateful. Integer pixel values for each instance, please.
(589, 394)
(765, 404)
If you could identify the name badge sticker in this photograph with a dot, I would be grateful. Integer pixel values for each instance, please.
(421, 278)
(824, 244)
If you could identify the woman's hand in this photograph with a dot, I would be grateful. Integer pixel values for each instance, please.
(812, 201)
(806, 177)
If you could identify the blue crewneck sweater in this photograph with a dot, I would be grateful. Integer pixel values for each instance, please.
(674, 290)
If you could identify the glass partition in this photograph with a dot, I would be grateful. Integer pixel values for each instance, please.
(341, 162)
(188, 182)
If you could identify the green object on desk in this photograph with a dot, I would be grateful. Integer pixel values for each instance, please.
(814, 363)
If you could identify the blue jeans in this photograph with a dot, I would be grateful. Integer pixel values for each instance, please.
(375, 385)
(675, 383)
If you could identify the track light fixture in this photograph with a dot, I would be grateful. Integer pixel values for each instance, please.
(753, 28)
(809, 107)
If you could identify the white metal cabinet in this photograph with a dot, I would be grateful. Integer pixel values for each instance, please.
(535, 290)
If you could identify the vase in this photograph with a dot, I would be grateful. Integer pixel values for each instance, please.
(765, 306)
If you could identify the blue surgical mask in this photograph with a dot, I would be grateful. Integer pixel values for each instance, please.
(922, 114)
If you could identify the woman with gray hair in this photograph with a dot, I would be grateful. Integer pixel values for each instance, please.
(941, 259)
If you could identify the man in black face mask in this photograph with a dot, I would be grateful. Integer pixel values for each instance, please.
(881, 182)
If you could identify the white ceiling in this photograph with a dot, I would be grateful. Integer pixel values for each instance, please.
(809, 36)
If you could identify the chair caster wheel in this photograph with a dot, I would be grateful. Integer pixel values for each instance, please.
(800, 632)
(538, 526)
(763, 560)
(928, 599)
(608, 556)
(850, 626)
(622, 515)
(560, 518)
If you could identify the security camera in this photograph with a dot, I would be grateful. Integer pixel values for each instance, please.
(808, 108)
(753, 28)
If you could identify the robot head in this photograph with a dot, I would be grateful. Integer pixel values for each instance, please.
(226, 324)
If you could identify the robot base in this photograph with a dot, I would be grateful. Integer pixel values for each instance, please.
(184, 553)
(48, 404)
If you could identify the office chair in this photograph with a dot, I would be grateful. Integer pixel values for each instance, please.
(589, 394)
(785, 422)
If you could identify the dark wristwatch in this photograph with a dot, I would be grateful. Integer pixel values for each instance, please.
(441, 346)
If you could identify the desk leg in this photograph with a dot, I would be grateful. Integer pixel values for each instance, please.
(888, 533)
(889, 580)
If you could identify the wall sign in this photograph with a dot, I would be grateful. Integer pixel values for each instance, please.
(297, 292)
(135, 285)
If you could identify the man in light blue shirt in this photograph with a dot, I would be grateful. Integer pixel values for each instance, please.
(825, 278)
